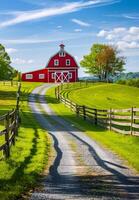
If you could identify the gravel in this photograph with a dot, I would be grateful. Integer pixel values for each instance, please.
(82, 169)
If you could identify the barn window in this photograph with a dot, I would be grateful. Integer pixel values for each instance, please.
(70, 75)
(29, 76)
(62, 54)
(56, 62)
(53, 75)
(41, 76)
(68, 62)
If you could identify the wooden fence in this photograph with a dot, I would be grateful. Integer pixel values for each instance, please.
(10, 130)
(125, 121)
(9, 83)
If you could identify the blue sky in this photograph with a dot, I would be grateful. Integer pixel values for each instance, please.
(31, 30)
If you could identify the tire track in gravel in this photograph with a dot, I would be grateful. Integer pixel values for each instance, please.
(86, 171)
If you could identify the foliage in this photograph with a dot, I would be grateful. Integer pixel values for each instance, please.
(125, 76)
(103, 61)
(125, 146)
(6, 71)
(130, 82)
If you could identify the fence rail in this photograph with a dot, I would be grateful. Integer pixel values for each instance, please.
(11, 124)
(9, 83)
(125, 121)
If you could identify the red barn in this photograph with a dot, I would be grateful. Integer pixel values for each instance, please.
(61, 67)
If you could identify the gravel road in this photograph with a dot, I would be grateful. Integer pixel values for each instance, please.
(81, 169)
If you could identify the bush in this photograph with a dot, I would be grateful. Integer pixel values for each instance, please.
(122, 82)
(130, 82)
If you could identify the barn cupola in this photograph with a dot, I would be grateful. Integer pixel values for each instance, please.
(62, 47)
(62, 51)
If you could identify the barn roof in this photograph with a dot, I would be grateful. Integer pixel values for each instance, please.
(66, 54)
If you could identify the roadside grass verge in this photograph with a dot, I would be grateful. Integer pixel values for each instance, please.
(127, 147)
(29, 156)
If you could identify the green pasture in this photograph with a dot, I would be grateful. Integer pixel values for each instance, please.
(127, 147)
(29, 156)
(104, 96)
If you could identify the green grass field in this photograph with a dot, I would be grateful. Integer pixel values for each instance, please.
(105, 96)
(29, 156)
(126, 147)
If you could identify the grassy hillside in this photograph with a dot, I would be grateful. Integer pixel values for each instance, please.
(29, 156)
(126, 147)
(106, 96)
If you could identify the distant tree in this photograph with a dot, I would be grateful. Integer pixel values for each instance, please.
(103, 61)
(6, 71)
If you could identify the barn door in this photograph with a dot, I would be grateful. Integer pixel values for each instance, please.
(62, 77)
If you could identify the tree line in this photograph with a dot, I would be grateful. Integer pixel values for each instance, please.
(7, 72)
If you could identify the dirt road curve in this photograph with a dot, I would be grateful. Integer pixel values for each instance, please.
(81, 169)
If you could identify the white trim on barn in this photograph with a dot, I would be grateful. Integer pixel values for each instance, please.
(70, 75)
(41, 76)
(56, 62)
(29, 76)
(67, 62)
(53, 75)
(62, 54)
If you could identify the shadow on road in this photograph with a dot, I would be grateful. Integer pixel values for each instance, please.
(53, 170)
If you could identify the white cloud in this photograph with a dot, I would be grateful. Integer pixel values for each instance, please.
(112, 33)
(58, 37)
(78, 30)
(11, 50)
(134, 30)
(122, 37)
(119, 30)
(127, 45)
(81, 23)
(102, 33)
(131, 16)
(59, 27)
(30, 41)
(20, 61)
(24, 16)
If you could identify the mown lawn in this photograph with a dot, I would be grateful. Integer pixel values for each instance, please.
(29, 156)
(127, 147)
(105, 96)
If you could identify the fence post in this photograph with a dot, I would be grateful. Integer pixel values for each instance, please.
(61, 87)
(58, 92)
(11, 83)
(71, 106)
(7, 149)
(134, 114)
(14, 128)
(132, 120)
(86, 83)
(16, 121)
(84, 113)
(95, 116)
(110, 112)
(77, 110)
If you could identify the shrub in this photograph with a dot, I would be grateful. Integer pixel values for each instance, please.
(130, 82)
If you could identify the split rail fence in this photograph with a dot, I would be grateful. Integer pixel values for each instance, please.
(125, 121)
(9, 83)
(10, 130)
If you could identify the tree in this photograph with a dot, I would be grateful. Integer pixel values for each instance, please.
(6, 71)
(103, 61)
